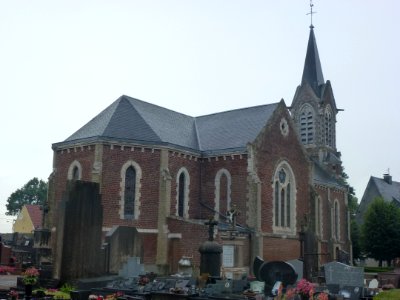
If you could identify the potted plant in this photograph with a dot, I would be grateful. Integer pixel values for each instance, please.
(30, 278)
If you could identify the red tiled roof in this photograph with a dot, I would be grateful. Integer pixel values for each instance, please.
(36, 215)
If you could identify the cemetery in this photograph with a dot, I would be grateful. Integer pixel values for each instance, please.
(268, 280)
(145, 203)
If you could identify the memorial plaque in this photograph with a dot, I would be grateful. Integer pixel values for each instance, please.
(228, 256)
(342, 274)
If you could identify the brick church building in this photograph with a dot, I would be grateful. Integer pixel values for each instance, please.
(165, 174)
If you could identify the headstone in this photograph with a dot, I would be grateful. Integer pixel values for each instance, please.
(79, 232)
(273, 271)
(343, 275)
(297, 265)
(258, 261)
(132, 268)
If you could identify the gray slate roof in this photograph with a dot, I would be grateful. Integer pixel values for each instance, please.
(388, 191)
(320, 176)
(312, 72)
(132, 120)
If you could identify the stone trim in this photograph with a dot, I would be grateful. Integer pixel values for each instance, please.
(186, 193)
(217, 191)
(290, 178)
(138, 187)
(336, 220)
(72, 166)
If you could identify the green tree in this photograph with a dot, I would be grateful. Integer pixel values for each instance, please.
(381, 231)
(354, 228)
(355, 239)
(33, 192)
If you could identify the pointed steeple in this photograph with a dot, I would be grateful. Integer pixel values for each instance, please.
(312, 73)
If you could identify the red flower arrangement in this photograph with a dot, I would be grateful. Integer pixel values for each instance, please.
(30, 276)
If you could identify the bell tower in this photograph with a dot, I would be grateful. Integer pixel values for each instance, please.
(314, 112)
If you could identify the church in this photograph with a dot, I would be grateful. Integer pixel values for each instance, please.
(270, 175)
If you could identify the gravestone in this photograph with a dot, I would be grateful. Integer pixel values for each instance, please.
(122, 242)
(297, 265)
(273, 271)
(340, 274)
(79, 232)
(132, 268)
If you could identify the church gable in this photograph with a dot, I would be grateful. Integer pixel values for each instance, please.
(280, 133)
(281, 164)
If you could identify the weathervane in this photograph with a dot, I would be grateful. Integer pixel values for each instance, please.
(311, 13)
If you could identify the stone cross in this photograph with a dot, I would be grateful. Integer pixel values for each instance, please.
(211, 223)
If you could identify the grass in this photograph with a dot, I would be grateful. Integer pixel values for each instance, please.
(388, 295)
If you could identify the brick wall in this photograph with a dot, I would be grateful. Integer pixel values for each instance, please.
(271, 148)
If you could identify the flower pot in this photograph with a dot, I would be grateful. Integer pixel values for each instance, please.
(28, 291)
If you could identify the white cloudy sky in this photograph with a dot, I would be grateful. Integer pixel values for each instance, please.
(62, 62)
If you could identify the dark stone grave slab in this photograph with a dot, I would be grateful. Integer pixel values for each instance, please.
(239, 286)
(219, 287)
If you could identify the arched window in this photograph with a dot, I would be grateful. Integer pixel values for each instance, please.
(336, 220)
(318, 216)
(75, 171)
(306, 125)
(131, 175)
(222, 200)
(182, 193)
(328, 127)
(130, 191)
(284, 199)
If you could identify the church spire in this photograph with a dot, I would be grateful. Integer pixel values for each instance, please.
(312, 73)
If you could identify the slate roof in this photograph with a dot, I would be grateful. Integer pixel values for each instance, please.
(132, 120)
(388, 191)
(35, 214)
(312, 72)
(320, 176)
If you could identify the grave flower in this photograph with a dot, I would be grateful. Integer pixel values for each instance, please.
(30, 276)
(305, 289)
(322, 296)
(13, 294)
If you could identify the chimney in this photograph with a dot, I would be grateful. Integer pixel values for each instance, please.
(387, 178)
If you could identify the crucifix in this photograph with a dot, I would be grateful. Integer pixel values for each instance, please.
(211, 223)
(232, 214)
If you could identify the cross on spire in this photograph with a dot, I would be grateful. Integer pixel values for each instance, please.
(311, 13)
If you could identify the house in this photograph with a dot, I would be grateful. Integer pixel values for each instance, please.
(164, 174)
(384, 188)
(29, 218)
